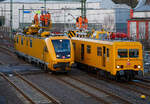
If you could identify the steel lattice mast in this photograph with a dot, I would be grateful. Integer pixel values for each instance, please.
(83, 5)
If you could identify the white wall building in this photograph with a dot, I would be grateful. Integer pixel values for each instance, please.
(104, 12)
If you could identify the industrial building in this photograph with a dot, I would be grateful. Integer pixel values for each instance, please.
(139, 22)
(103, 14)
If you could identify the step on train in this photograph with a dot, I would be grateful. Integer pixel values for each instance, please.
(114, 59)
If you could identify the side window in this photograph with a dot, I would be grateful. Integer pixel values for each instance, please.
(74, 46)
(122, 53)
(27, 42)
(88, 49)
(133, 53)
(31, 43)
(45, 49)
(17, 39)
(99, 51)
(21, 40)
(107, 52)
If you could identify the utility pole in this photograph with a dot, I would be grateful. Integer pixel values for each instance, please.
(131, 3)
(45, 5)
(83, 8)
(22, 16)
(11, 21)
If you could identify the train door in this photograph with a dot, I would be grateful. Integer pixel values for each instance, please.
(104, 56)
(82, 51)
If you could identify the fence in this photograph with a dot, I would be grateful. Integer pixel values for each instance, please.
(5, 32)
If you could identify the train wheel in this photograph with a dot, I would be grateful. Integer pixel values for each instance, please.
(45, 68)
(117, 78)
(18, 55)
(26, 60)
(128, 78)
(41, 66)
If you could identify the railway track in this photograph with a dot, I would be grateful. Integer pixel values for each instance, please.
(49, 99)
(140, 84)
(17, 88)
(101, 90)
(7, 50)
(1, 62)
(121, 85)
(101, 100)
(145, 80)
(13, 55)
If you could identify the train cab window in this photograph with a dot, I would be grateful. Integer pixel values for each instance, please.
(74, 46)
(133, 53)
(99, 51)
(17, 39)
(88, 49)
(27, 42)
(21, 41)
(62, 48)
(45, 49)
(107, 52)
(122, 53)
(31, 43)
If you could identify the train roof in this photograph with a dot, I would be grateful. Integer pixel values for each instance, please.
(38, 37)
(109, 42)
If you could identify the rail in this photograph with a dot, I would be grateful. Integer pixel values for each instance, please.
(11, 53)
(142, 85)
(101, 100)
(17, 88)
(121, 85)
(101, 90)
(51, 98)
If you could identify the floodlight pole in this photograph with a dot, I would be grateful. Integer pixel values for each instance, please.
(11, 15)
(45, 5)
(22, 15)
(131, 3)
(83, 8)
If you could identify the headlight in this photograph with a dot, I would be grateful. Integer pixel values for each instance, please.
(57, 56)
(118, 66)
(68, 55)
(139, 66)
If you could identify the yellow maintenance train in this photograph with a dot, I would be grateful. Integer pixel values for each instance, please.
(118, 59)
(51, 52)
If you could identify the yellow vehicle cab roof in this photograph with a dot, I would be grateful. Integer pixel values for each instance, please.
(109, 42)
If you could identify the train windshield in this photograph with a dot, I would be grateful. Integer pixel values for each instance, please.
(62, 48)
(122, 53)
(133, 53)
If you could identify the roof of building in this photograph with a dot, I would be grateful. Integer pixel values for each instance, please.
(143, 5)
(109, 4)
